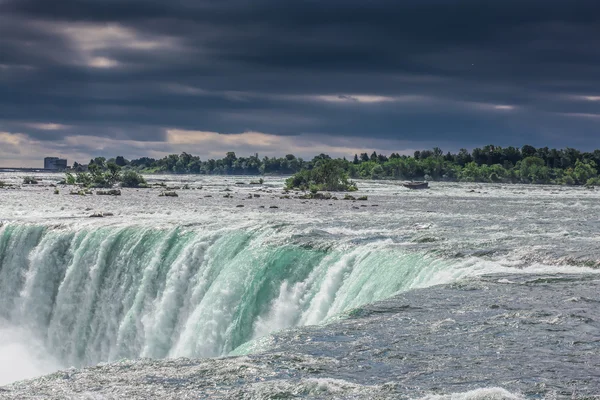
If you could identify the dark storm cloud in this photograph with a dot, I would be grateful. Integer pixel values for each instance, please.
(466, 72)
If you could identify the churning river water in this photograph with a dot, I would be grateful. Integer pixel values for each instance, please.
(462, 291)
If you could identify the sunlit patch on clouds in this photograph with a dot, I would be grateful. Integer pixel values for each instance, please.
(12, 139)
(92, 41)
(20, 150)
(102, 62)
(584, 98)
(47, 126)
(488, 106)
(93, 37)
(362, 98)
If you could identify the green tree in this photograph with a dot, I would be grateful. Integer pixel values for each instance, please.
(132, 179)
(114, 173)
(463, 157)
(584, 171)
(100, 162)
(528, 151)
(120, 161)
(377, 172)
(472, 173)
(326, 174)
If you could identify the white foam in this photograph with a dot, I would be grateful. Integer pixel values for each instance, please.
(493, 393)
(22, 355)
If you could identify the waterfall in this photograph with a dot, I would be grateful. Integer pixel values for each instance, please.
(106, 293)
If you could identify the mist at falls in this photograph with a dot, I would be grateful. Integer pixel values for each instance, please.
(23, 355)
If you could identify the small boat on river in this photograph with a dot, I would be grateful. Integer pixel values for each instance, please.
(416, 185)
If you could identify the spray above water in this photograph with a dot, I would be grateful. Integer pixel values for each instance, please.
(22, 355)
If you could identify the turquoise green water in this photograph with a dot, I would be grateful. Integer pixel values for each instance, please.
(110, 293)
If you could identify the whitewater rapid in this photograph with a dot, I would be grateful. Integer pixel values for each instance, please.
(207, 276)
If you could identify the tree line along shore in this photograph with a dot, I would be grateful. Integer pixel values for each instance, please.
(488, 164)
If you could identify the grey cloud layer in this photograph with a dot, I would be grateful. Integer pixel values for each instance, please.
(465, 72)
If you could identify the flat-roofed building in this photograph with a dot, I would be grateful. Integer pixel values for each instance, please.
(55, 163)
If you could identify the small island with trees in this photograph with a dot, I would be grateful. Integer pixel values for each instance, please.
(326, 174)
(105, 175)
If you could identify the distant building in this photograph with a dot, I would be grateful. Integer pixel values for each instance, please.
(55, 163)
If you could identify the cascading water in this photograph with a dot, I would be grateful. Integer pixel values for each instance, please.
(108, 293)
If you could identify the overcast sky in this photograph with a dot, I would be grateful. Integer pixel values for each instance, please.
(81, 78)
